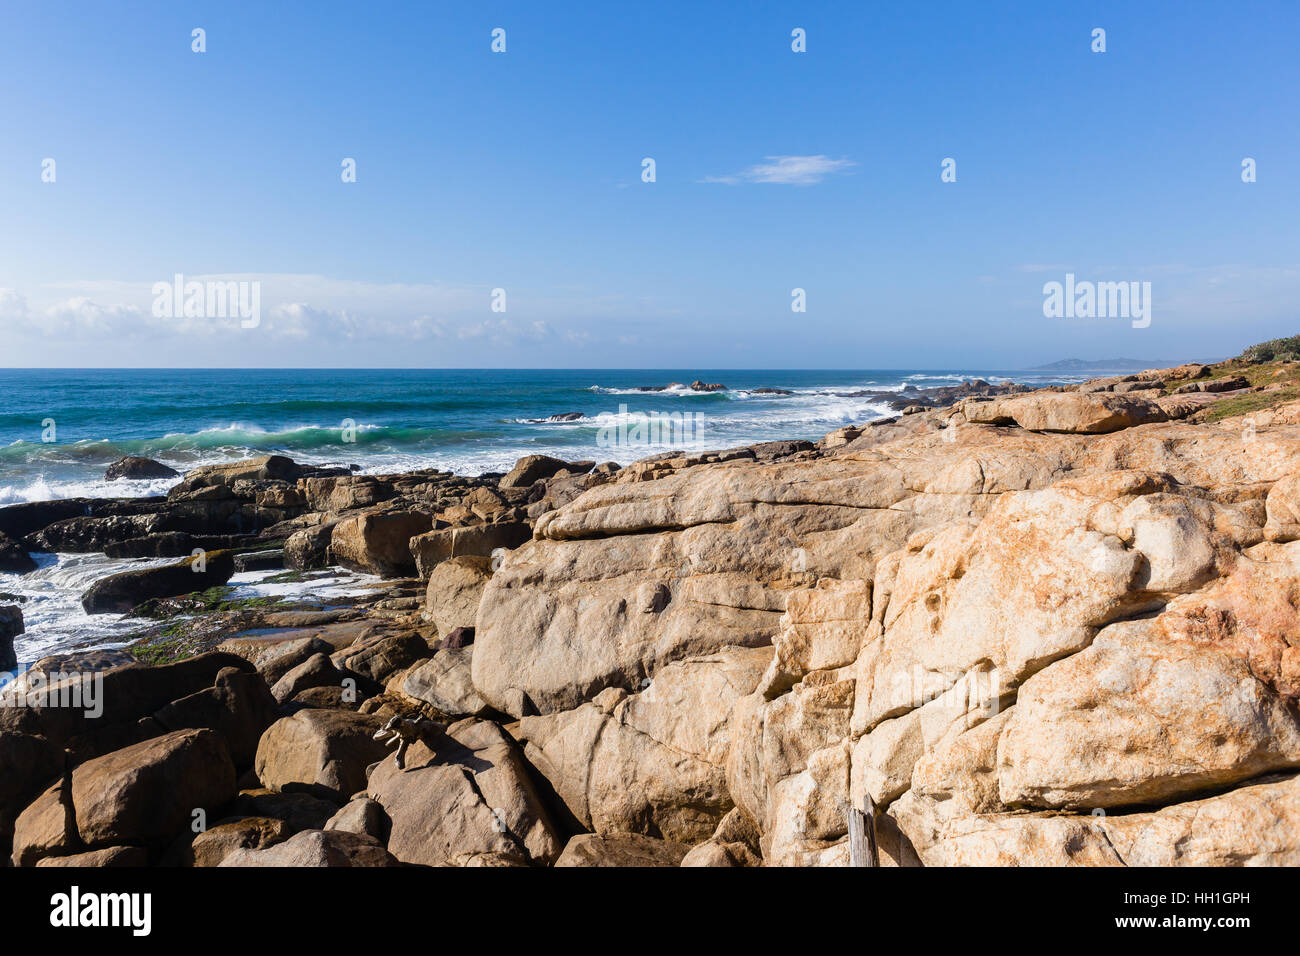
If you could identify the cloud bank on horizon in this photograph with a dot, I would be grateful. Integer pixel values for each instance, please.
(904, 186)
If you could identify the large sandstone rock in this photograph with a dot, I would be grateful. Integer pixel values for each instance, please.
(316, 848)
(467, 796)
(378, 542)
(268, 467)
(321, 752)
(653, 762)
(238, 706)
(213, 845)
(1073, 412)
(621, 850)
(479, 540)
(443, 682)
(1137, 718)
(455, 589)
(1254, 825)
(533, 468)
(308, 548)
(147, 793)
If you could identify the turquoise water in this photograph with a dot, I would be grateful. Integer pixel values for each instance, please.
(468, 421)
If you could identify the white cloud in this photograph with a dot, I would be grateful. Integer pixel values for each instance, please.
(786, 170)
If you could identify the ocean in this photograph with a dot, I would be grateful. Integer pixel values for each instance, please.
(59, 430)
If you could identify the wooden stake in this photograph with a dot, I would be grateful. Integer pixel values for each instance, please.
(863, 850)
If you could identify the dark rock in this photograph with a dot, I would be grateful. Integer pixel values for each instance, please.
(119, 593)
(18, 521)
(11, 625)
(174, 544)
(260, 560)
(239, 707)
(125, 693)
(301, 811)
(531, 468)
(14, 558)
(28, 764)
(134, 467)
(457, 638)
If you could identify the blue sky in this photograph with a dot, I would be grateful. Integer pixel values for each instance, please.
(522, 171)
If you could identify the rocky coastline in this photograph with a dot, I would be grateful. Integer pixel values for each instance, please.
(1027, 626)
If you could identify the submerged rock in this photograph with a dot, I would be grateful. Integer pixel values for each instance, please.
(136, 468)
(119, 593)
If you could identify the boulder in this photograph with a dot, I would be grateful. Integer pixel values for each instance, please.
(113, 856)
(376, 661)
(316, 671)
(14, 558)
(622, 849)
(28, 763)
(479, 540)
(1136, 718)
(361, 815)
(378, 542)
(278, 659)
(47, 827)
(122, 693)
(455, 589)
(134, 467)
(269, 467)
(468, 795)
(1283, 509)
(444, 682)
(346, 493)
(119, 593)
(147, 793)
(316, 848)
(321, 752)
(239, 707)
(299, 811)
(532, 468)
(213, 845)
(672, 738)
(11, 625)
(1072, 412)
(308, 549)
